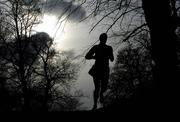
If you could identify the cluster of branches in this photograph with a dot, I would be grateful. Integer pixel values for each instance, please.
(123, 19)
(33, 75)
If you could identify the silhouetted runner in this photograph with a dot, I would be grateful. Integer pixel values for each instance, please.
(102, 53)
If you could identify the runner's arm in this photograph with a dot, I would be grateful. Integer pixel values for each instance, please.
(111, 55)
(90, 54)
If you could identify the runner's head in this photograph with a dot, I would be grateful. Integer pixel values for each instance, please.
(103, 38)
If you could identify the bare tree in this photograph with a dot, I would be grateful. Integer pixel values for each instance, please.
(57, 73)
(19, 18)
(21, 51)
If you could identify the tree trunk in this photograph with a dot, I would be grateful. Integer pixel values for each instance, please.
(46, 97)
(26, 106)
(47, 88)
(163, 40)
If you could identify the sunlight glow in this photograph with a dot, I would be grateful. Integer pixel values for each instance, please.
(67, 35)
(50, 25)
(55, 29)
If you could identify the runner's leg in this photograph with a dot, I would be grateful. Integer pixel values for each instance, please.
(96, 91)
(104, 83)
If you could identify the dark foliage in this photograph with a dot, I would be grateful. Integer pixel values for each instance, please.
(132, 69)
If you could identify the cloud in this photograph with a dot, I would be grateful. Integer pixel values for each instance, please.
(64, 7)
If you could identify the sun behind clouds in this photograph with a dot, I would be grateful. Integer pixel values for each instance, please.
(49, 25)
